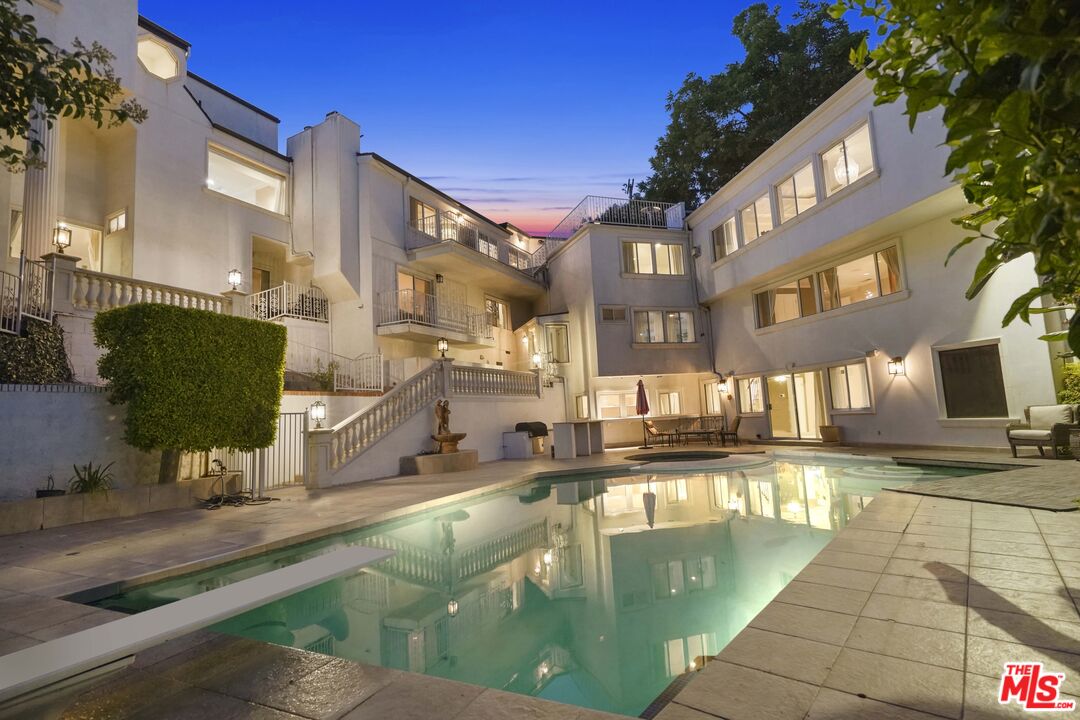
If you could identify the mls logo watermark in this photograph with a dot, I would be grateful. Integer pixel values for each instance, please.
(1032, 688)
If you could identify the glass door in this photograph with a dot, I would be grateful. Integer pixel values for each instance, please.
(782, 409)
(796, 405)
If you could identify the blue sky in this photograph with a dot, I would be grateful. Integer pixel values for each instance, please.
(517, 109)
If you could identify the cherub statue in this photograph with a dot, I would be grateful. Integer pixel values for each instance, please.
(442, 415)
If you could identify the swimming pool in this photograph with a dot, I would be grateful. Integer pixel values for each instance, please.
(592, 590)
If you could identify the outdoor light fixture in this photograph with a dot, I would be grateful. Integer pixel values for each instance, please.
(317, 411)
(896, 366)
(62, 237)
(235, 278)
(442, 345)
(536, 359)
(722, 388)
(548, 557)
(452, 608)
(438, 279)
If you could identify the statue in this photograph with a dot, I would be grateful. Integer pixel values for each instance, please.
(445, 441)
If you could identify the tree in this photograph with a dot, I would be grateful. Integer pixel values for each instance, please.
(40, 80)
(1008, 78)
(720, 124)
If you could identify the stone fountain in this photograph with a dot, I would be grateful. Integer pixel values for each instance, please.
(447, 457)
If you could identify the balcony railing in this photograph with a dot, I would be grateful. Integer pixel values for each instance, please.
(99, 292)
(451, 227)
(616, 211)
(396, 307)
(289, 300)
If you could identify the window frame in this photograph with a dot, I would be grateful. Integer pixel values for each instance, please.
(625, 313)
(809, 165)
(654, 272)
(149, 38)
(660, 397)
(752, 206)
(734, 238)
(626, 411)
(867, 409)
(760, 395)
(939, 377)
(115, 216)
(548, 328)
(232, 155)
(842, 139)
(500, 303)
(663, 326)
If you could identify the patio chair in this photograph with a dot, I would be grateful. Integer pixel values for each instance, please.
(666, 437)
(732, 432)
(1046, 425)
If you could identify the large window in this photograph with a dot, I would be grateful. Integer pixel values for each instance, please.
(664, 326)
(848, 160)
(724, 239)
(861, 279)
(611, 405)
(850, 387)
(422, 216)
(750, 399)
(231, 175)
(756, 219)
(415, 300)
(498, 312)
(787, 302)
(797, 194)
(645, 258)
(669, 402)
(712, 398)
(558, 343)
(972, 383)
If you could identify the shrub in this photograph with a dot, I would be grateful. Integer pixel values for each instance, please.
(1070, 382)
(37, 357)
(192, 380)
(89, 479)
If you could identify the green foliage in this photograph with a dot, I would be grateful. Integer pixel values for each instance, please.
(720, 124)
(39, 79)
(90, 479)
(38, 357)
(325, 377)
(193, 380)
(1007, 75)
(1070, 385)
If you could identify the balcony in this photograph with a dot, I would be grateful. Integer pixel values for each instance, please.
(450, 243)
(594, 209)
(289, 301)
(410, 315)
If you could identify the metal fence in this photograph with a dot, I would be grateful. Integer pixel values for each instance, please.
(290, 300)
(282, 464)
(616, 211)
(9, 303)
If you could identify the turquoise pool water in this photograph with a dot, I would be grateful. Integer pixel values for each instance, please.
(569, 590)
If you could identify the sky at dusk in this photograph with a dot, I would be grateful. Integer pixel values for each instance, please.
(516, 109)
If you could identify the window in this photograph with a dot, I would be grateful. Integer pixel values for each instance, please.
(724, 239)
(644, 258)
(848, 160)
(422, 217)
(415, 301)
(669, 403)
(675, 491)
(612, 313)
(157, 59)
(15, 233)
(712, 398)
(616, 404)
(676, 577)
(750, 400)
(861, 279)
(487, 246)
(498, 312)
(797, 194)
(664, 326)
(756, 219)
(558, 343)
(581, 403)
(787, 302)
(116, 223)
(972, 383)
(850, 387)
(233, 176)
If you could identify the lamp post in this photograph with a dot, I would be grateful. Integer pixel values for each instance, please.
(442, 345)
(317, 412)
(236, 278)
(62, 237)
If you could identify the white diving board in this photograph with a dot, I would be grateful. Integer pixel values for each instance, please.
(68, 663)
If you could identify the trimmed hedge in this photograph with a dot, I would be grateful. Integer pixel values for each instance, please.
(192, 379)
(38, 357)
(1070, 391)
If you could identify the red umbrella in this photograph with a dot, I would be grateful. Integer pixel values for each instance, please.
(642, 409)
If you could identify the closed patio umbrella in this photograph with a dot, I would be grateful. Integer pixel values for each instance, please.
(642, 409)
(648, 499)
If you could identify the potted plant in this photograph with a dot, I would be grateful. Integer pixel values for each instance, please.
(89, 479)
(1070, 395)
(50, 489)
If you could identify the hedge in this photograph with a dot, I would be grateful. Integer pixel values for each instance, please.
(191, 379)
(37, 357)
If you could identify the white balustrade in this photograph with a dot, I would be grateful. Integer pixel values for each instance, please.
(98, 292)
(492, 381)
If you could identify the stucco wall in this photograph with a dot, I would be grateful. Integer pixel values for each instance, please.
(58, 426)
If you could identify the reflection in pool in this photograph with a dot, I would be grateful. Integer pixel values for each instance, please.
(596, 591)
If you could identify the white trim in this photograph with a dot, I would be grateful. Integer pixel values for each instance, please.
(943, 412)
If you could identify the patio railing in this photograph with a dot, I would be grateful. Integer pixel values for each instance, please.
(9, 303)
(594, 209)
(364, 372)
(305, 302)
(453, 227)
(395, 307)
(99, 291)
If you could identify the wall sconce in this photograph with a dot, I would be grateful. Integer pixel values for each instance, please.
(317, 411)
(442, 345)
(525, 340)
(62, 237)
(452, 608)
(723, 386)
(236, 278)
(438, 278)
(896, 366)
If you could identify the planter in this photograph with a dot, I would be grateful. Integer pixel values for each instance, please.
(50, 493)
(1074, 443)
(830, 434)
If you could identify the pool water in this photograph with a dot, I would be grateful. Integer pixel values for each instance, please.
(596, 591)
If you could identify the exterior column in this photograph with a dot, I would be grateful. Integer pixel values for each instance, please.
(236, 303)
(40, 192)
(63, 282)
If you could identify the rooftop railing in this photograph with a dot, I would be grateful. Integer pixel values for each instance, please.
(453, 227)
(594, 209)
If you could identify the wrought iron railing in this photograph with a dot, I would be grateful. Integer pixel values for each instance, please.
(360, 373)
(305, 302)
(35, 290)
(616, 211)
(453, 227)
(9, 303)
(395, 307)
(285, 460)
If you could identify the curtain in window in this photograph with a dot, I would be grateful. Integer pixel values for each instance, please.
(888, 262)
